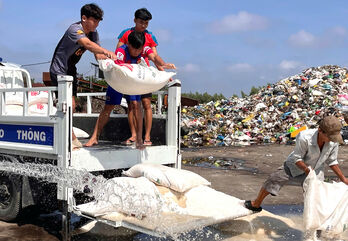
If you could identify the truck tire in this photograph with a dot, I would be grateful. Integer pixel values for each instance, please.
(10, 197)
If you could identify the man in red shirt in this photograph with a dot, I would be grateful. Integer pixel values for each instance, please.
(142, 18)
(130, 53)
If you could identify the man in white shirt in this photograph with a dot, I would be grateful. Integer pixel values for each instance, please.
(314, 148)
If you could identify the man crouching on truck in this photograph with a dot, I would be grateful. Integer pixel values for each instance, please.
(80, 36)
(314, 148)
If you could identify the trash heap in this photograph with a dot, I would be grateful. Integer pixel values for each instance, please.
(272, 114)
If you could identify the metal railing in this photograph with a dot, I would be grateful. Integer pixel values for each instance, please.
(157, 112)
(25, 99)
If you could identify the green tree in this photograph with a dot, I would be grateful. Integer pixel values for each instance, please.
(205, 97)
(243, 94)
(254, 90)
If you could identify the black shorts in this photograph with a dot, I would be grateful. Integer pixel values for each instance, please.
(54, 82)
(149, 95)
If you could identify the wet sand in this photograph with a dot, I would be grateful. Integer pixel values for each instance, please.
(243, 184)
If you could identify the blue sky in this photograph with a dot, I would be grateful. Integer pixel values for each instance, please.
(218, 46)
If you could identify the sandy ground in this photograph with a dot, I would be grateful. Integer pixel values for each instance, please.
(243, 184)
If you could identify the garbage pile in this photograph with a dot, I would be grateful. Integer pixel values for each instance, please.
(271, 115)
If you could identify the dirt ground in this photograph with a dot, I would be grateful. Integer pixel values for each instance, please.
(243, 184)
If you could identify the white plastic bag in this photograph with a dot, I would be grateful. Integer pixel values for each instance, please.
(325, 206)
(134, 79)
(260, 106)
(343, 99)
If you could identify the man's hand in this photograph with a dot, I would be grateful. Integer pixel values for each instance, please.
(307, 170)
(96, 49)
(106, 55)
(110, 55)
(345, 180)
(339, 174)
(166, 66)
(300, 164)
(169, 66)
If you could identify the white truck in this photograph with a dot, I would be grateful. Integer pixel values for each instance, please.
(26, 137)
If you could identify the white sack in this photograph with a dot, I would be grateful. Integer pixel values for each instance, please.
(14, 98)
(40, 109)
(34, 110)
(80, 133)
(35, 97)
(207, 202)
(177, 179)
(154, 172)
(13, 110)
(132, 196)
(183, 180)
(134, 79)
(325, 205)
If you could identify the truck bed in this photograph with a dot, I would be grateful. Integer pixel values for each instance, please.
(106, 156)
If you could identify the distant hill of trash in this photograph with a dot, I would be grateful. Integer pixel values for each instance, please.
(274, 115)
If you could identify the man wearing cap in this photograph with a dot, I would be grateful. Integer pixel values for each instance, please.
(314, 148)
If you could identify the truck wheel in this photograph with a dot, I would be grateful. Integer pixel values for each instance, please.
(10, 197)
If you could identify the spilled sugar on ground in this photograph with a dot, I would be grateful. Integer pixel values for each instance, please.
(263, 228)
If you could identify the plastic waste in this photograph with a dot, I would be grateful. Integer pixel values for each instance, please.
(276, 114)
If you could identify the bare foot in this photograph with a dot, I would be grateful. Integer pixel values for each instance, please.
(91, 142)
